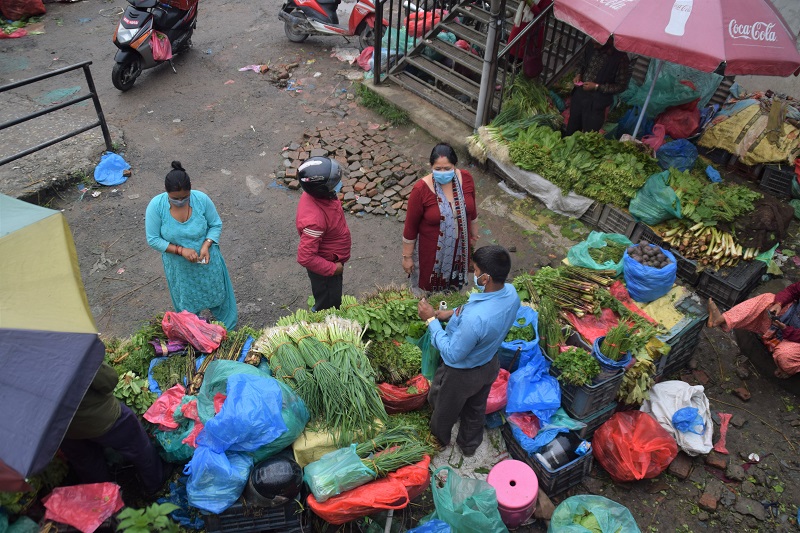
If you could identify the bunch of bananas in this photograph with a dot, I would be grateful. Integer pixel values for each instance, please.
(707, 245)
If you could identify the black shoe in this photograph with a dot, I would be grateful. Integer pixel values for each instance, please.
(467, 453)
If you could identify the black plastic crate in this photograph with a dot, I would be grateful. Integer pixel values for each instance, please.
(687, 269)
(777, 180)
(718, 156)
(596, 420)
(592, 215)
(615, 220)
(244, 518)
(678, 358)
(581, 402)
(552, 482)
(749, 172)
(643, 232)
(730, 286)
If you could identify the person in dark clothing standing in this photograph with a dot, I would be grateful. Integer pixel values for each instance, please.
(604, 72)
(468, 346)
(101, 422)
(324, 236)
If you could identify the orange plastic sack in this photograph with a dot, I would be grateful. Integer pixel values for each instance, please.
(498, 396)
(416, 478)
(419, 24)
(631, 445)
(84, 507)
(397, 399)
(162, 411)
(188, 327)
(361, 501)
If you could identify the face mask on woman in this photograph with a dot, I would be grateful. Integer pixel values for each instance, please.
(179, 203)
(444, 176)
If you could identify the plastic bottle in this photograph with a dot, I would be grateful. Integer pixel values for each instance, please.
(681, 10)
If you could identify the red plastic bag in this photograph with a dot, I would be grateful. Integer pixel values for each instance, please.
(188, 327)
(416, 478)
(361, 501)
(162, 410)
(84, 507)
(679, 123)
(498, 396)
(631, 445)
(162, 48)
(219, 399)
(19, 9)
(423, 22)
(618, 291)
(397, 399)
(655, 140)
(528, 422)
(189, 410)
(365, 57)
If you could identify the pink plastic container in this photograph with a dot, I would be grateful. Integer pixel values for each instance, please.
(517, 490)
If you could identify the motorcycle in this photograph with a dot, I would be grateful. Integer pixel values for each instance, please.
(135, 33)
(302, 18)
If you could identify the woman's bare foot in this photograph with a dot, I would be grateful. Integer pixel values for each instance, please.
(780, 374)
(715, 317)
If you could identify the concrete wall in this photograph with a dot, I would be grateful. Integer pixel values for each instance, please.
(790, 9)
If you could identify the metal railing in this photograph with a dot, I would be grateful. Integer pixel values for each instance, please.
(101, 121)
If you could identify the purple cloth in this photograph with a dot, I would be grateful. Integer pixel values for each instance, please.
(164, 348)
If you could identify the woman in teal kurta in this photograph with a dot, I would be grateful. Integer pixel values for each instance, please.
(184, 226)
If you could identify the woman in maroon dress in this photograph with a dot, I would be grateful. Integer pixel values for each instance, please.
(438, 234)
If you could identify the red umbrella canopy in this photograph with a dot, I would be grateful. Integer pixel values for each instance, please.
(749, 35)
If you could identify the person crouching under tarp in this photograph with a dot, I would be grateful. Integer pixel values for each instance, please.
(603, 72)
(101, 422)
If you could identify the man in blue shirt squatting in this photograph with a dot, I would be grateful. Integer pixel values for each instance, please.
(468, 346)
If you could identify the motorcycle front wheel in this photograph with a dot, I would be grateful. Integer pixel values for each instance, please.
(124, 74)
(292, 34)
(366, 35)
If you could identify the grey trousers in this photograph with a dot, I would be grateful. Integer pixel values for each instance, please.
(461, 394)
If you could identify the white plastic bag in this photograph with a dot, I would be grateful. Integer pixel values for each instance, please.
(668, 397)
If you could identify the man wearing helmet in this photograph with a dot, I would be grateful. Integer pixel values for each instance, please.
(324, 235)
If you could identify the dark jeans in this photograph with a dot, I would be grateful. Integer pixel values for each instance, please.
(461, 394)
(587, 111)
(126, 436)
(327, 290)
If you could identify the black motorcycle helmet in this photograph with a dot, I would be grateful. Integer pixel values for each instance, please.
(319, 177)
(273, 482)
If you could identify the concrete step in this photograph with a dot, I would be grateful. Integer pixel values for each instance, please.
(460, 56)
(448, 77)
(443, 102)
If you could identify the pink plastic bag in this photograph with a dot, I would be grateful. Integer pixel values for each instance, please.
(190, 328)
(498, 396)
(84, 507)
(655, 140)
(189, 410)
(162, 410)
(365, 57)
(219, 399)
(162, 48)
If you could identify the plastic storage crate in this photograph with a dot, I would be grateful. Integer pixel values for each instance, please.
(687, 269)
(750, 172)
(592, 215)
(777, 180)
(643, 232)
(615, 220)
(582, 402)
(552, 482)
(684, 336)
(243, 518)
(596, 420)
(718, 156)
(730, 286)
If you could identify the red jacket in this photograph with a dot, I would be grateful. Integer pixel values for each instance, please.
(324, 235)
(789, 295)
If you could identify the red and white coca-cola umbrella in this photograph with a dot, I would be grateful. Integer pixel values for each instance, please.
(749, 36)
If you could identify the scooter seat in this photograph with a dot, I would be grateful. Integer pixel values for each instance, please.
(337, 2)
(165, 18)
(143, 4)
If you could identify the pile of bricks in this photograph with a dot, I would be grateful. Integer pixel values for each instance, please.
(376, 180)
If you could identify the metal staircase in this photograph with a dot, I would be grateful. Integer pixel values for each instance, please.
(449, 77)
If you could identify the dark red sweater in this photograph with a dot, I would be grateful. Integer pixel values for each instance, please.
(789, 295)
(324, 235)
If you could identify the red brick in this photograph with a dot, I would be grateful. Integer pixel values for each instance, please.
(358, 187)
(701, 377)
(742, 393)
(681, 466)
(717, 460)
(708, 502)
(291, 173)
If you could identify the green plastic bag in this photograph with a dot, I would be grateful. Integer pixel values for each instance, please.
(215, 381)
(22, 525)
(430, 354)
(468, 505)
(295, 415)
(579, 256)
(173, 449)
(592, 514)
(337, 472)
(656, 201)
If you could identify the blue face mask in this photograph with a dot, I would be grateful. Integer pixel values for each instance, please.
(179, 203)
(444, 176)
(480, 288)
(338, 187)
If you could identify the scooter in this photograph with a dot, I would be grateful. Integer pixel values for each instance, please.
(134, 37)
(302, 18)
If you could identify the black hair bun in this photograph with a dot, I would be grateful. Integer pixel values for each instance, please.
(177, 166)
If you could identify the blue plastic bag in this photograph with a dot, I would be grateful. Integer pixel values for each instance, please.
(713, 174)
(109, 171)
(687, 419)
(680, 154)
(646, 283)
(432, 526)
(216, 381)
(608, 516)
(605, 362)
(628, 123)
(527, 350)
(182, 515)
(532, 388)
(250, 417)
(216, 480)
(295, 416)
